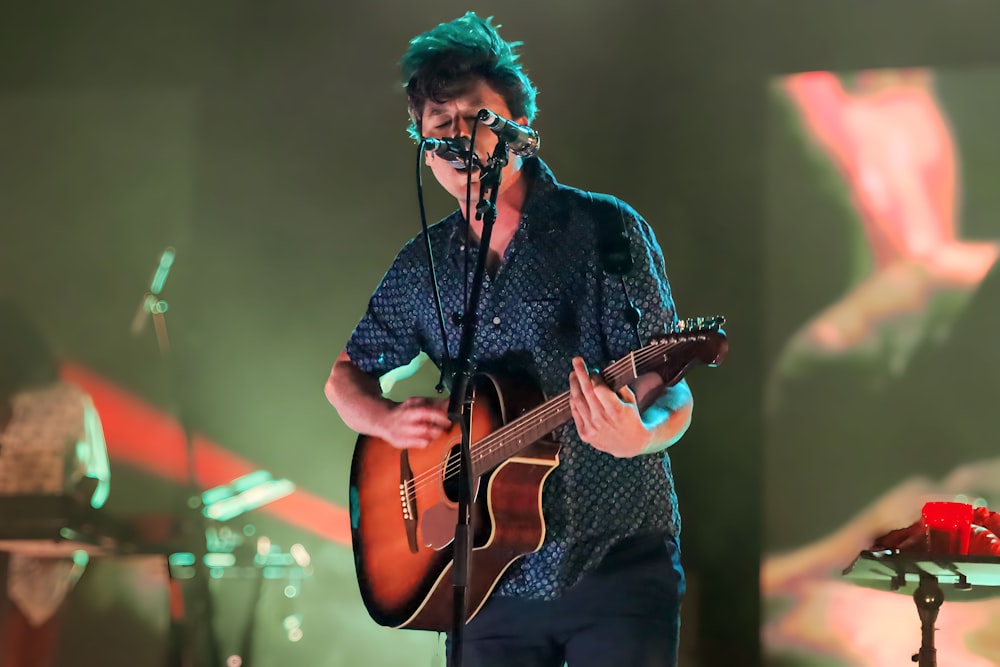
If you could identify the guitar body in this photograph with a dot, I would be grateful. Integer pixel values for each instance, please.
(403, 513)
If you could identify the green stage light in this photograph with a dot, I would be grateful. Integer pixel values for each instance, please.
(243, 494)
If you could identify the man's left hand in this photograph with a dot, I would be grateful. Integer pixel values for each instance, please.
(607, 420)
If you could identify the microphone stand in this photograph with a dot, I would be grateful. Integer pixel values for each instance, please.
(460, 403)
(192, 640)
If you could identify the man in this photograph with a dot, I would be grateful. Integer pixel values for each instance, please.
(605, 586)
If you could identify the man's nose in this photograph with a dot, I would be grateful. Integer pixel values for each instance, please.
(462, 127)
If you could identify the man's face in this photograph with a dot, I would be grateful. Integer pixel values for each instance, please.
(456, 118)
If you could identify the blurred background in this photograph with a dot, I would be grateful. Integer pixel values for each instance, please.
(259, 150)
(881, 377)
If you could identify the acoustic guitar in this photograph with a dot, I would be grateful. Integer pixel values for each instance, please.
(403, 501)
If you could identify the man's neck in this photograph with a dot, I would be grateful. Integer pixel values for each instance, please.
(509, 206)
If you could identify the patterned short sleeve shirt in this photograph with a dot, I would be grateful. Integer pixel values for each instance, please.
(549, 301)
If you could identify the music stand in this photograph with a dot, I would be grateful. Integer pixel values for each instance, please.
(924, 575)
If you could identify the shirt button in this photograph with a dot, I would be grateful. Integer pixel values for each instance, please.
(496, 320)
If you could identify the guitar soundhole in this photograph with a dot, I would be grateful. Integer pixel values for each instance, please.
(483, 527)
(451, 476)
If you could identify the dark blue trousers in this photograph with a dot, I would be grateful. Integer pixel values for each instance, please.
(627, 612)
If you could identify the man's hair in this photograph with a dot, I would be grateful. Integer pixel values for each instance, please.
(443, 63)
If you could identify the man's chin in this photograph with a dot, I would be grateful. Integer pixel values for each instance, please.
(462, 177)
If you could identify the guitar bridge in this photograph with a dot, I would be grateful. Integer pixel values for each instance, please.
(408, 500)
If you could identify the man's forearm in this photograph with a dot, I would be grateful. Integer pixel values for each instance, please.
(356, 395)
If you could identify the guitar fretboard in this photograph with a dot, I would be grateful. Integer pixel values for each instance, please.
(508, 440)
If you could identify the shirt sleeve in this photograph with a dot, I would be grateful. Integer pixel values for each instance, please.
(389, 335)
(647, 286)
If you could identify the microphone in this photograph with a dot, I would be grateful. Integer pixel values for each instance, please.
(455, 151)
(520, 140)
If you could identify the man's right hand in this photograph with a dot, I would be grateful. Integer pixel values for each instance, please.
(357, 396)
(415, 423)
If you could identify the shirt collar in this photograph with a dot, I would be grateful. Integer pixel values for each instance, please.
(541, 184)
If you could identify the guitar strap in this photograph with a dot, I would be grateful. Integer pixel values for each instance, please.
(614, 249)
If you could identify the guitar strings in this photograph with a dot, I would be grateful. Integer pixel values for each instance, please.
(499, 439)
(496, 441)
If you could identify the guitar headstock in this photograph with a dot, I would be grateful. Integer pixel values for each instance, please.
(693, 341)
(702, 339)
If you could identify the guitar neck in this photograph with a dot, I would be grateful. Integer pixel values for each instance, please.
(508, 440)
(700, 341)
